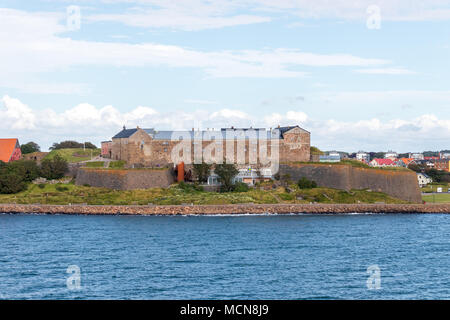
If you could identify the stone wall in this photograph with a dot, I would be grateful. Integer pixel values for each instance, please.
(125, 179)
(396, 183)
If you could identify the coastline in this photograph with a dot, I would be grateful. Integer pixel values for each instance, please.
(224, 209)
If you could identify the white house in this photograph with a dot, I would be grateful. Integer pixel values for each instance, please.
(363, 156)
(391, 155)
(416, 156)
(423, 179)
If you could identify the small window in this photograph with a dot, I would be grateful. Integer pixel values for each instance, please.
(165, 149)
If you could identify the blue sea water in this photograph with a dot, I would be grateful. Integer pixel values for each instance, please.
(225, 257)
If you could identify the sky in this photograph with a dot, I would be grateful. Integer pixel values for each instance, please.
(359, 75)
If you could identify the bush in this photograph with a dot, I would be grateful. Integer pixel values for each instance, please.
(15, 175)
(240, 187)
(12, 179)
(41, 185)
(226, 173)
(28, 168)
(54, 168)
(305, 183)
(189, 187)
(72, 145)
(117, 164)
(30, 147)
(202, 171)
(61, 188)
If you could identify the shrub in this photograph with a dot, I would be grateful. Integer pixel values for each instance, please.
(305, 183)
(41, 185)
(72, 145)
(201, 171)
(14, 176)
(28, 168)
(30, 147)
(226, 173)
(187, 187)
(54, 168)
(12, 179)
(61, 188)
(240, 187)
(117, 164)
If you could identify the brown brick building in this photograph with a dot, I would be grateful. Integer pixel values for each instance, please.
(244, 146)
(442, 164)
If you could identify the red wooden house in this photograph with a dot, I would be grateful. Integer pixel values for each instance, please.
(10, 150)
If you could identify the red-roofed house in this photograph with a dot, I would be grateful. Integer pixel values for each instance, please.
(382, 163)
(407, 161)
(10, 150)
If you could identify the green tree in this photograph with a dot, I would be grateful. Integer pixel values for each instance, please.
(54, 168)
(12, 178)
(305, 183)
(30, 147)
(226, 173)
(28, 168)
(69, 144)
(202, 171)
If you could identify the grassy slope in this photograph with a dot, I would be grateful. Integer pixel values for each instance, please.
(438, 198)
(353, 163)
(176, 195)
(74, 155)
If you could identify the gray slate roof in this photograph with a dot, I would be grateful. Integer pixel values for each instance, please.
(224, 133)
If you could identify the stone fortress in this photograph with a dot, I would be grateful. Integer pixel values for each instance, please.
(242, 146)
(152, 149)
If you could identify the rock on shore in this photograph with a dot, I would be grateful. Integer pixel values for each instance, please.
(226, 209)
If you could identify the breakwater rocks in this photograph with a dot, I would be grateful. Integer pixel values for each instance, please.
(226, 209)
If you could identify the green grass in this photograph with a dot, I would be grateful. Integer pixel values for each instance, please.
(437, 198)
(74, 155)
(117, 164)
(353, 163)
(55, 194)
(95, 164)
(433, 188)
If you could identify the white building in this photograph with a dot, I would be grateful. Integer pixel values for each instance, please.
(423, 179)
(391, 155)
(416, 156)
(363, 156)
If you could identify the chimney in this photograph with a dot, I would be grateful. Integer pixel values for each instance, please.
(278, 126)
(124, 128)
(192, 129)
(137, 127)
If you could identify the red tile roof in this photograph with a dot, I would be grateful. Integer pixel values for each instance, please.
(384, 162)
(7, 147)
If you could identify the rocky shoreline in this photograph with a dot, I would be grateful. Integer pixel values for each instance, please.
(225, 209)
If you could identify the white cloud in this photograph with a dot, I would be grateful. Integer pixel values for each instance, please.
(86, 122)
(202, 14)
(177, 20)
(35, 45)
(391, 71)
(16, 115)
